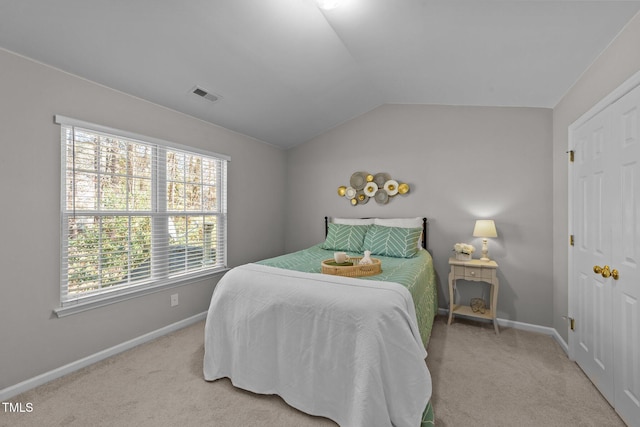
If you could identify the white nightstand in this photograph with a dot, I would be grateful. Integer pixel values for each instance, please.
(475, 271)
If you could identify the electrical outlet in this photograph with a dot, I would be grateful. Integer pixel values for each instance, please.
(174, 300)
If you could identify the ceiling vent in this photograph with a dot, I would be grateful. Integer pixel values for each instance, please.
(206, 94)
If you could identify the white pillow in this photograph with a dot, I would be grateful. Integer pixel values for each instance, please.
(353, 221)
(399, 222)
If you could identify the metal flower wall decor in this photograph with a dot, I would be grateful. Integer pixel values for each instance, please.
(364, 186)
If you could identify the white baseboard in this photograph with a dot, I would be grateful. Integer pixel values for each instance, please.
(561, 342)
(27, 385)
(525, 327)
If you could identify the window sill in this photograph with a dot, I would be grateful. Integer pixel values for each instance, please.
(91, 303)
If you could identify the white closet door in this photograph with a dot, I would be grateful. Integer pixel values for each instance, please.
(625, 256)
(606, 219)
(593, 348)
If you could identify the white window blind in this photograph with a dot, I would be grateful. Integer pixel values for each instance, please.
(136, 212)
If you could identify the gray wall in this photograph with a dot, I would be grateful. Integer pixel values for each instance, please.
(616, 64)
(32, 339)
(462, 163)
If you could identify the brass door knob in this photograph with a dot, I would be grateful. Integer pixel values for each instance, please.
(606, 272)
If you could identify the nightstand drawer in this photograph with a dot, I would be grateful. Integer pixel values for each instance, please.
(473, 272)
(477, 273)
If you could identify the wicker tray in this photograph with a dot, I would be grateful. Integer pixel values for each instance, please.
(354, 270)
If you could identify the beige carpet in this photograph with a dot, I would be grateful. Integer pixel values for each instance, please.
(480, 379)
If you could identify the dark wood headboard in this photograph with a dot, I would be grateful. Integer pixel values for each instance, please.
(424, 230)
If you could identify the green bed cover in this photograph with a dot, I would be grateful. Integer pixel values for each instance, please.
(417, 274)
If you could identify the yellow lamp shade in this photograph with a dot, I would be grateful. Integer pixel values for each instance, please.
(485, 228)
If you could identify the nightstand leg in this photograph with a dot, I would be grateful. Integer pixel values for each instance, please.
(450, 297)
(494, 304)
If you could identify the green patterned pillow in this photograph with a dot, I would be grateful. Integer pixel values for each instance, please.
(392, 241)
(348, 238)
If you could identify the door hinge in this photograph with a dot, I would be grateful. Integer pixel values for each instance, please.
(571, 240)
(572, 322)
(571, 155)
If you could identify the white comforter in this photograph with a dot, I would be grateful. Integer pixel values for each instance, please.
(342, 348)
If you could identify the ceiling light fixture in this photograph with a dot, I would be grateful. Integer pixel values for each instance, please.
(328, 4)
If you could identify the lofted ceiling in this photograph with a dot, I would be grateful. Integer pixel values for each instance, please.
(286, 70)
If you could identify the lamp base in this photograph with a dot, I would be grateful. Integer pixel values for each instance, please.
(485, 250)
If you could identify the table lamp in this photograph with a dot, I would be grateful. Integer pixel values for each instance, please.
(485, 228)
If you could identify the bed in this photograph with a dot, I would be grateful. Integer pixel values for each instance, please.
(349, 349)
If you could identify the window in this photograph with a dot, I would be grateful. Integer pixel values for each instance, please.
(137, 213)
